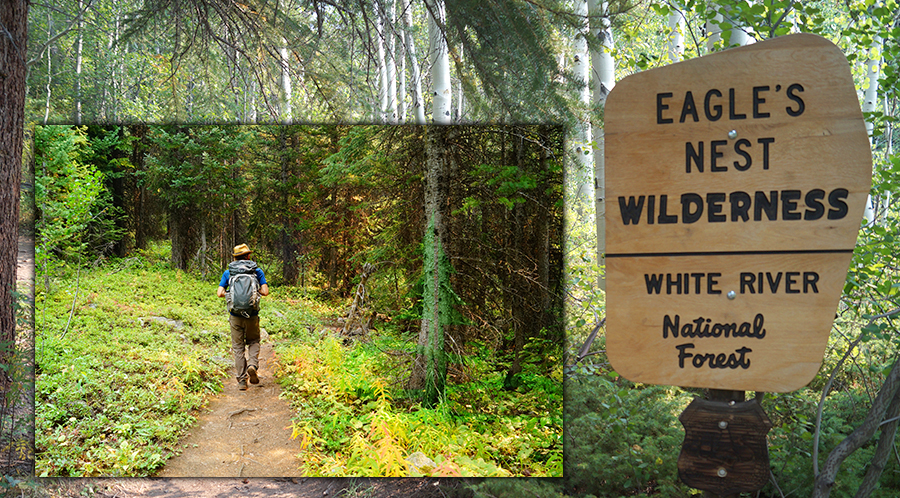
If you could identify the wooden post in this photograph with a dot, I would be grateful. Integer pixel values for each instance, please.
(726, 396)
(724, 451)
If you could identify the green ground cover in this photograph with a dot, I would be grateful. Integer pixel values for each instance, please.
(146, 346)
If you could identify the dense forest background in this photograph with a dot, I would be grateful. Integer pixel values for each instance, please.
(329, 210)
(196, 61)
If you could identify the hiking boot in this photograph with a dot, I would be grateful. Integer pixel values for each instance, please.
(251, 372)
(242, 385)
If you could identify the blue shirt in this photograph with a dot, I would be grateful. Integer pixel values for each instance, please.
(225, 276)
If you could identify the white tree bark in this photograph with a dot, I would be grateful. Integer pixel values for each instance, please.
(391, 18)
(676, 36)
(383, 99)
(604, 78)
(713, 32)
(79, 49)
(737, 35)
(415, 78)
(388, 15)
(385, 13)
(49, 72)
(581, 68)
(112, 90)
(870, 100)
(286, 89)
(604, 67)
(401, 78)
(440, 63)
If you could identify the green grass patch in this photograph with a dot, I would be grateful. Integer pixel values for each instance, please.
(119, 383)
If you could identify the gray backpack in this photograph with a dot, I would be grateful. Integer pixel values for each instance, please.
(242, 297)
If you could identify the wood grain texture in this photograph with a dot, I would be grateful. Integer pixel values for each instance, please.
(823, 148)
(724, 449)
(804, 141)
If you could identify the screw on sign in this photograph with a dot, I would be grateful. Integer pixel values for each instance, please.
(736, 184)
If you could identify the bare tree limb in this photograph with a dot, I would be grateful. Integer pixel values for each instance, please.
(862, 434)
(827, 389)
(883, 450)
(590, 341)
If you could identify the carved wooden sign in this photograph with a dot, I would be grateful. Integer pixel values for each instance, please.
(735, 186)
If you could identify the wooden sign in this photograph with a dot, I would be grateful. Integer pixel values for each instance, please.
(735, 185)
(725, 449)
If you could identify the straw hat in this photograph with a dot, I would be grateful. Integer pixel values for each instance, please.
(241, 250)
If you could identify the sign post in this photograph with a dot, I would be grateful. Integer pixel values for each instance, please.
(735, 185)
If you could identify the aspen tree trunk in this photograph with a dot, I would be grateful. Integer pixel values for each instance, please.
(389, 13)
(603, 79)
(418, 102)
(286, 89)
(79, 45)
(676, 36)
(460, 100)
(49, 72)
(401, 78)
(111, 89)
(737, 35)
(250, 90)
(713, 32)
(882, 404)
(873, 69)
(440, 63)
(581, 67)
(284, 62)
(382, 65)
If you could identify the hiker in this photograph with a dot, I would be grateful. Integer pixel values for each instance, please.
(242, 284)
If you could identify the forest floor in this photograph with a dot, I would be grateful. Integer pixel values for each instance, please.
(240, 434)
(255, 487)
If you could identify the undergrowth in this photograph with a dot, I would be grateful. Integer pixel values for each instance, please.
(353, 418)
(121, 375)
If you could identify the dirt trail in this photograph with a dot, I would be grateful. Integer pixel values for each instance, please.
(25, 265)
(241, 433)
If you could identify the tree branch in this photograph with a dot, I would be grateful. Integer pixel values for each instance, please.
(825, 480)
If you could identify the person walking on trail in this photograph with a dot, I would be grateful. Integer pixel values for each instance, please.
(241, 285)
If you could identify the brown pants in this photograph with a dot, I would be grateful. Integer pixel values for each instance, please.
(244, 334)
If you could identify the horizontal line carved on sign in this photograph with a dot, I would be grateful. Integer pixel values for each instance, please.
(727, 253)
